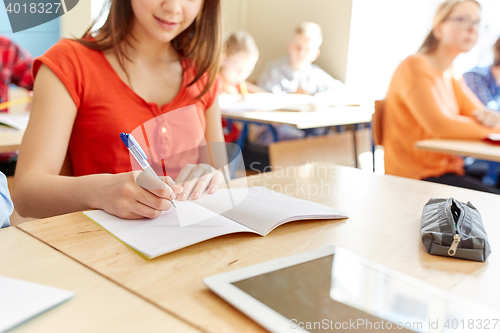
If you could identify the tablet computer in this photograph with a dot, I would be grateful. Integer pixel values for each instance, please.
(333, 289)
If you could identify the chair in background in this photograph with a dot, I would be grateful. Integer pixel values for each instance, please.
(377, 121)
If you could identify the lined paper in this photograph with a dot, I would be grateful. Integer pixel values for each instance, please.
(262, 209)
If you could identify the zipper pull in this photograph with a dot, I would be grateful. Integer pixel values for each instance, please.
(453, 248)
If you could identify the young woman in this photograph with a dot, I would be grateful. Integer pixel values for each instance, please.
(151, 57)
(425, 101)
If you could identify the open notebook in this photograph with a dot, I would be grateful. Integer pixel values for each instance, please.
(254, 209)
(18, 121)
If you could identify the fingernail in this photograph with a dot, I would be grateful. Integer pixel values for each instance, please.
(183, 196)
(196, 195)
(211, 190)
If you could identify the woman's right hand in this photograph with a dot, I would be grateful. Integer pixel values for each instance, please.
(487, 117)
(122, 195)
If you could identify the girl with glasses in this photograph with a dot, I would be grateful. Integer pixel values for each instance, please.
(426, 101)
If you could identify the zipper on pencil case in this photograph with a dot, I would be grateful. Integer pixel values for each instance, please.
(456, 237)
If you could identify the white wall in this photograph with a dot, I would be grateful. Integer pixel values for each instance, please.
(385, 32)
(75, 22)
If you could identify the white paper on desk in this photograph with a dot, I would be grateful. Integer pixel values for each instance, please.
(265, 102)
(21, 300)
(17, 121)
(290, 102)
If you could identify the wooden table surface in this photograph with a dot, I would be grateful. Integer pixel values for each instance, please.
(384, 226)
(477, 149)
(98, 306)
(340, 115)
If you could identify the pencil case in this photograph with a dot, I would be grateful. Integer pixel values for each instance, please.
(451, 228)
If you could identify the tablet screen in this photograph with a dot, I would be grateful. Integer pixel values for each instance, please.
(336, 291)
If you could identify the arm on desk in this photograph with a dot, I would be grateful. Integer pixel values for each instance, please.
(423, 103)
(40, 190)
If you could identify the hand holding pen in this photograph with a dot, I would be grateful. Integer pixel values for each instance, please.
(148, 179)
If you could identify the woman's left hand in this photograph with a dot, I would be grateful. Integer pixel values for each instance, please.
(195, 178)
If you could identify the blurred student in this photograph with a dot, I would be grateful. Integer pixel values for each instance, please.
(15, 68)
(425, 101)
(148, 59)
(485, 81)
(295, 74)
(239, 56)
(6, 206)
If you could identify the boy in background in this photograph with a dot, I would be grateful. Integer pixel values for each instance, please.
(295, 74)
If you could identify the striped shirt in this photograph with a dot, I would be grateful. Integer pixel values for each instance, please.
(482, 83)
(15, 68)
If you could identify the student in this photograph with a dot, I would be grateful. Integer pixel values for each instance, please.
(6, 206)
(425, 101)
(239, 56)
(485, 81)
(149, 58)
(15, 68)
(295, 74)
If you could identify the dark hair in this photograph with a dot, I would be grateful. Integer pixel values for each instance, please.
(200, 42)
(496, 53)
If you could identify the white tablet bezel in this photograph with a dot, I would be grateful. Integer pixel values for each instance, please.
(221, 284)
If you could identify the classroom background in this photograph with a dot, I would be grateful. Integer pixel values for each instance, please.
(363, 41)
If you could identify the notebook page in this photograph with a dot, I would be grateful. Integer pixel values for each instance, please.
(17, 121)
(263, 210)
(164, 234)
(264, 102)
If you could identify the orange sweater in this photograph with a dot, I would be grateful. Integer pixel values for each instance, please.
(423, 103)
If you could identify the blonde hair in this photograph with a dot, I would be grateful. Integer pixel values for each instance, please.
(444, 10)
(496, 53)
(310, 30)
(241, 41)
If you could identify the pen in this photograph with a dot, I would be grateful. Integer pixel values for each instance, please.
(244, 89)
(139, 155)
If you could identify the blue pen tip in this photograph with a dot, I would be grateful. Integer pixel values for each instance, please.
(124, 137)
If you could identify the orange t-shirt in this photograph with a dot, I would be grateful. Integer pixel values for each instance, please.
(423, 103)
(107, 107)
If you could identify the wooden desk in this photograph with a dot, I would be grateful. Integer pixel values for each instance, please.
(335, 116)
(324, 117)
(10, 140)
(98, 306)
(384, 226)
(476, 149)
